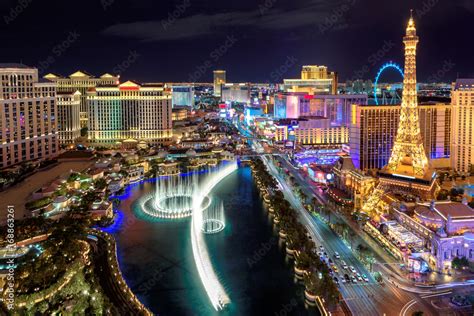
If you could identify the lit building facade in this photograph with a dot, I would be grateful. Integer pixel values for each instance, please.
(69, 122)
(81, 81)
(353, 181)
(182, 96)
(130, 112)
(179, 114)
(219, 80)
(28, 114)
(446, 228)
(462, 100)
(336, 107)
(314, 80)
(236, 92)
(316, 131)
(289, 104)
(373, 128)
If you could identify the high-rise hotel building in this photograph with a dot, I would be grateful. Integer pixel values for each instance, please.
(219, 80)
(81, 81)
(69, 126)
(129, 112)
(28, 116)
(373, 129)
(314, 80)
(462, 141)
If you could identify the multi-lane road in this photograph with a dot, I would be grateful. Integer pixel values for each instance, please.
(393, 297)
(362, 298)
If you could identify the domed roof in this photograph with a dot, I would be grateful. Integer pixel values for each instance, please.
(424, 214)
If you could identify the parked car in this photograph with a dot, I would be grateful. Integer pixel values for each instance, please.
(352, 269)
(353, 279)
(336, 255)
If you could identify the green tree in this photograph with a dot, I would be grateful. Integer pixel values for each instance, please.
(100, 183)
(303, 261)
(460, 262)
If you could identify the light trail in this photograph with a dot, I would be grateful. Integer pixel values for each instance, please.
(214, 289)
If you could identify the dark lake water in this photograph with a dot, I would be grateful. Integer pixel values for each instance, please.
(157, 262)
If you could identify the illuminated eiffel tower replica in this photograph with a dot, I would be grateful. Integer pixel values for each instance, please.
(407, 175)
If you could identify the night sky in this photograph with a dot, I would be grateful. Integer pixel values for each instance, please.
(258, 41)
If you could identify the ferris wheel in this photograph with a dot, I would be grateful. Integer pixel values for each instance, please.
(388, 97)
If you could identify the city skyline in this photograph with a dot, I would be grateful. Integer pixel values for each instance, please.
(131, 38)
(147, 169)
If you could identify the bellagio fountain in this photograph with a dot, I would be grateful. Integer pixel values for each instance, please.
(180, 197)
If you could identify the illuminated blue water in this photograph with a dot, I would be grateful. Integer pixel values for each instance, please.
(156, 257)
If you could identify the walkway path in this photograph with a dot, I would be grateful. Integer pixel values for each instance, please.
(18, 194)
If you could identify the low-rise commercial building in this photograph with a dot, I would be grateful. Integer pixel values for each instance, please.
(353, 181)
(446, 228)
